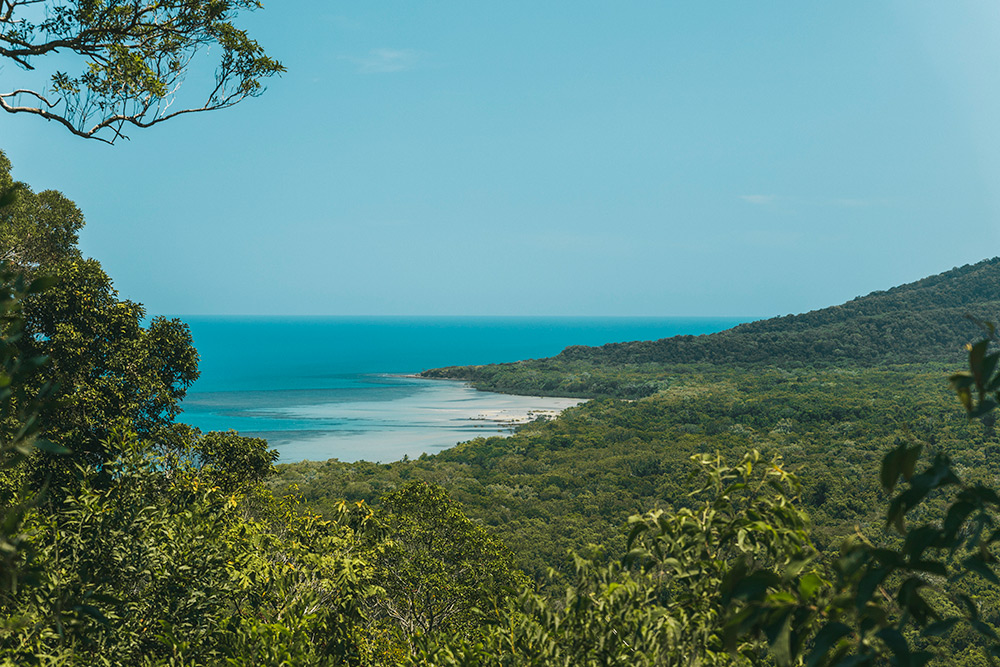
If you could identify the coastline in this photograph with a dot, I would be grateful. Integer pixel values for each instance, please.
(406, 416)
(504, 417)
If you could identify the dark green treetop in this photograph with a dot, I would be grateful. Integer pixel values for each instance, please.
(441, 570)
(35, 228)
(107, 367)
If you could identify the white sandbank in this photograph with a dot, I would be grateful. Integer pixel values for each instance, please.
(440, 415)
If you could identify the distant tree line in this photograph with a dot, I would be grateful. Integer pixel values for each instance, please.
(925, 321)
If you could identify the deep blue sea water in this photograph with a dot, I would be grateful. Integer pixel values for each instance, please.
(320, 388)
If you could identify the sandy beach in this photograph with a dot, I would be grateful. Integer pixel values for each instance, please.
(511, 417)
(419, 416)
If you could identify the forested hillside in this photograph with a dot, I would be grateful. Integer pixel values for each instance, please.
(580, 483)
(566, 483)
(825, 394)
(927, 320)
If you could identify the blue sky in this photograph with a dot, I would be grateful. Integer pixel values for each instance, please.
(557, 158)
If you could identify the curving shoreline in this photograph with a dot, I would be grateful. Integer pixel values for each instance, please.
(410, 416)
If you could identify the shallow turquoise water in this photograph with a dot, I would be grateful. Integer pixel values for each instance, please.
(320, 388)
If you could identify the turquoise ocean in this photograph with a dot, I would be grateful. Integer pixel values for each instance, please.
(338, 387)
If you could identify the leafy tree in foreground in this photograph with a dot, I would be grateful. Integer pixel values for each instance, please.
(108, 370)
(158, 566)
(439, 571)
(19, 435)
(893, 602)
(19, 408)
(661, 605)
(131, 58)
(35, 229)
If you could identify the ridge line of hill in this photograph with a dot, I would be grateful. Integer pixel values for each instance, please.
(923, 321)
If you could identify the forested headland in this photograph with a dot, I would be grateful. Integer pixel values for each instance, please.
(925, 321)
(796, 509)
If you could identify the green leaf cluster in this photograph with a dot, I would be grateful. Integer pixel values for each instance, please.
(132, 59)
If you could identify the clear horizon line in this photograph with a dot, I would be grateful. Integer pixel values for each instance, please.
(451, 316)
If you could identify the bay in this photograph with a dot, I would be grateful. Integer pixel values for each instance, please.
(341, 387)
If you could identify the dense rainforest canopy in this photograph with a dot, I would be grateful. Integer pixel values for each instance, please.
(802, 506)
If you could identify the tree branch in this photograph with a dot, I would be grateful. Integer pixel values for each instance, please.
(49, 116)
(137, 53)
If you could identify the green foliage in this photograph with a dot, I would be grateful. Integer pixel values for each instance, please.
(439, 571)
(661, 605)
(158, 566)
(106, 365)
(135, 55)
(228, 460)
(894, 600)
(35, 229)
(19, 416)
(107, 369)
(19, 407)
(562, 484)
